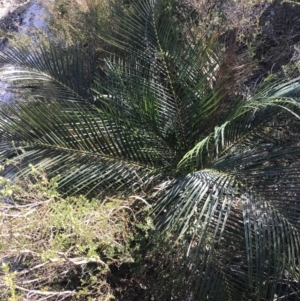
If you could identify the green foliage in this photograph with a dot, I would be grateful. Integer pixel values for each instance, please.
(9, 280)
(154, 119)
(43, 234)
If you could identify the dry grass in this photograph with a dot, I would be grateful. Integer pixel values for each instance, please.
(79, 20)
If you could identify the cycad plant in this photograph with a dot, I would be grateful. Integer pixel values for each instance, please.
(152, 114)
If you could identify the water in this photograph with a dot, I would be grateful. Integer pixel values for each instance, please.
(34, 18)
(28, 22)
(5, 95)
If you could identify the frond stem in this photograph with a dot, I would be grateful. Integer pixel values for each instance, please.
(162, 56)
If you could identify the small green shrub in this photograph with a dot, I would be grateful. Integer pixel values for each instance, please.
(59, 247)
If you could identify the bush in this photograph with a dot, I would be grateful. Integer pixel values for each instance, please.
(59, 248)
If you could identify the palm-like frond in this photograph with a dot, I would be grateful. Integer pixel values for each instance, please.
(235, 222)
(182, 66)
(235, 226)
(78, 143)
(65, 131)
(65, 73)
(231, 206)
(247, 118)
(137, 107)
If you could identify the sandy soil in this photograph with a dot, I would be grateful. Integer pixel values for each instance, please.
(8, 6)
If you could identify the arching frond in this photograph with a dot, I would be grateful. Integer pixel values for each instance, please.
(50, 69)
(247, 118)
(80, 142)
(234, 236)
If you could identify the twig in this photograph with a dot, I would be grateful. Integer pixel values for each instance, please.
(81, 260)
(42, 293)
